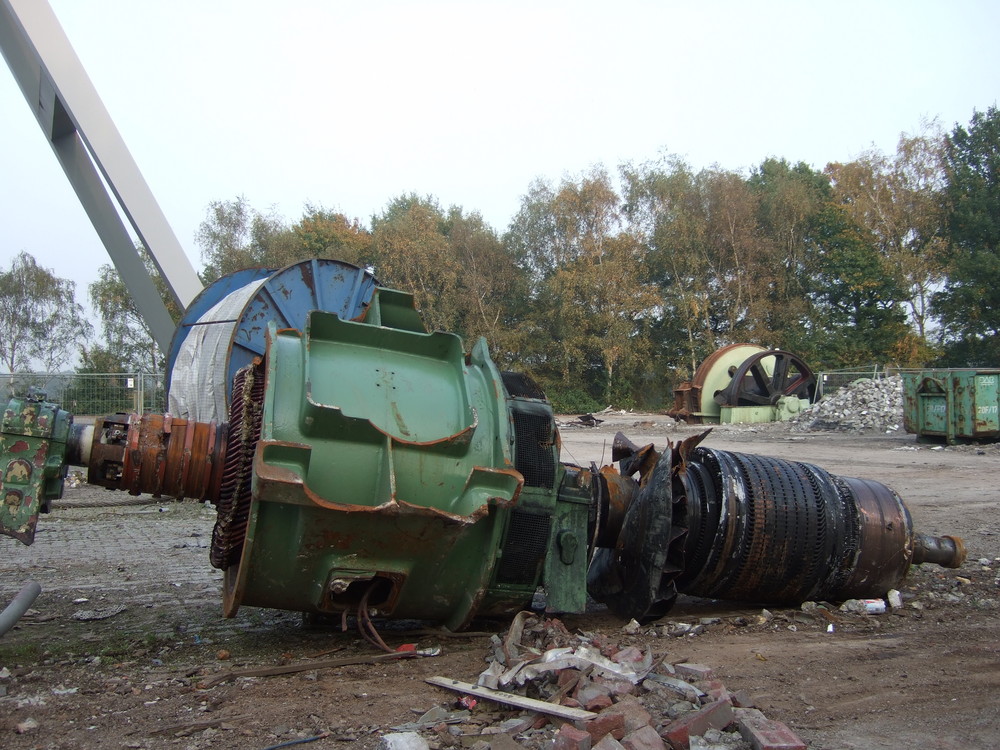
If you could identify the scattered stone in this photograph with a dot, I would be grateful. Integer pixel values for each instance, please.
(99, 614)
(631, 628)
(694, 671)
(402, 741)
(28, 725)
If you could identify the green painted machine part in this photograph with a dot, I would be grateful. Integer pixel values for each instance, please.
(953, 405)
(395, 473)
(33, 437)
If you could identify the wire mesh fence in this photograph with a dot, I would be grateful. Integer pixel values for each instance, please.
(91, 394)
(829, 381)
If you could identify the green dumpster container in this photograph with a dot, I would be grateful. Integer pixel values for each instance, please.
(955, 404)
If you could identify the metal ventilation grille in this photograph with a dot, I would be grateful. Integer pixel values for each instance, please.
(519, 385)
(524, 548)
(534, 458)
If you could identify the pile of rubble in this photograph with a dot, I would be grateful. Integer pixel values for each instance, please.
(582, 692)
(862, 406)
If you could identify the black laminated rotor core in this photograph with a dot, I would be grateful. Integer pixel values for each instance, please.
(751, 528)
(780, 541)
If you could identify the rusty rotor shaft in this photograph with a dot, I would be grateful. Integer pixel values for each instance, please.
(159, 455)
(946, 551)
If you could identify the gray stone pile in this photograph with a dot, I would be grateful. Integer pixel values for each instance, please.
(865, 405)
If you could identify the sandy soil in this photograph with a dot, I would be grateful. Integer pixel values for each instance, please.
(925, 676)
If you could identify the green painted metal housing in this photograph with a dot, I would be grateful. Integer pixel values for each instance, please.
(391, 474)
(33, 438)
(953, 404)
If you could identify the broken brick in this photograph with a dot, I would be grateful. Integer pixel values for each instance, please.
(765, 734)
(741, 699)
(608, 743)
(590, 690)
(567, 678)
(598, 703)
(633, 713)
(716, 715)
(643, 738)
(694, 671)
(570, 738)
(540, 722)
(615, 686)
(604, 724)
(716, 690)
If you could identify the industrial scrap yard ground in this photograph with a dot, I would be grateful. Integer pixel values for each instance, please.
(129, 623)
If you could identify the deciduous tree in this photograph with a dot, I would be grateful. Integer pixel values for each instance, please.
(322, 233)
(412, 253)
(969, 305)
(125, 335)
(41, 323)
(234, 235)
(898, 200)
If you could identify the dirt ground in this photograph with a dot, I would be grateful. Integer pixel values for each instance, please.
(129, 623)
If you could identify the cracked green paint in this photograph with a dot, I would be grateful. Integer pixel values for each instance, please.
(33, 438)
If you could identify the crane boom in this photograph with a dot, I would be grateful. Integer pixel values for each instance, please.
(95, 159)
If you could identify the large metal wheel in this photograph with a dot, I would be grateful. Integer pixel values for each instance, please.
(693, 399)
(764, 378)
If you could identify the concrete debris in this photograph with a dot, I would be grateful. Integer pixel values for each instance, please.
(99, 614)
(402, 741)
(552, 688)
(28, 725)
(865, 405)
(631, 699)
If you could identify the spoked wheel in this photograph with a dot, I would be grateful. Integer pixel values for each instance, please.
(765, 377)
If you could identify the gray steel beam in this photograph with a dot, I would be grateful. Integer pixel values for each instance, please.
(95, 159)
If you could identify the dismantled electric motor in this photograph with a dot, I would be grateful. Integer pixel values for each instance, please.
(360, 463)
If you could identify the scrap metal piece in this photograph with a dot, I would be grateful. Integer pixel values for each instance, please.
(637, 578)
(223, 329)
(741, 527)
(33, 437)
(157, 454)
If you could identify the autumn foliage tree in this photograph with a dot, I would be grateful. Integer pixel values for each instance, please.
(609, 288)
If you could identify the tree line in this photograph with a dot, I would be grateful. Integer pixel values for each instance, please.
(609, 287)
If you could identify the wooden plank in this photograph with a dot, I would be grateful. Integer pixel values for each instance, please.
(218, 679)
(512, 699)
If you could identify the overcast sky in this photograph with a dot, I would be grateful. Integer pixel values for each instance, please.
(348, 105)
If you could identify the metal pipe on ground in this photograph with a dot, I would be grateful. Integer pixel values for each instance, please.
(16, 609)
